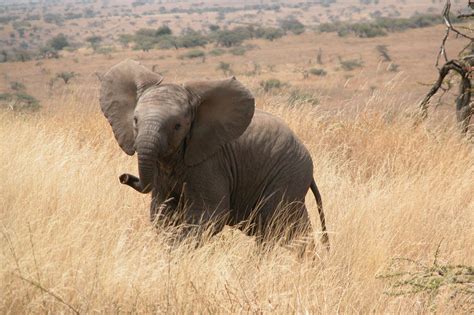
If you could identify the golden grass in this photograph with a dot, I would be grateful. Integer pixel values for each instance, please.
(74, 240)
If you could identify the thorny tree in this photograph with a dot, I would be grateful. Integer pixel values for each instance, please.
(463, 65)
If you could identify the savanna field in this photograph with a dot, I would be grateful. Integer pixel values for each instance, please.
(398, 193)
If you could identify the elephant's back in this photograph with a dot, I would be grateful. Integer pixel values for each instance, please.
(271, 136)
(270, 157)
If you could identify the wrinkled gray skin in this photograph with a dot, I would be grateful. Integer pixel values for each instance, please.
(205, 146)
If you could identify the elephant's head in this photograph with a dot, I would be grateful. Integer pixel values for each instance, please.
(156, 120)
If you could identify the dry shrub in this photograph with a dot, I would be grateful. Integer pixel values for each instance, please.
(74, 239)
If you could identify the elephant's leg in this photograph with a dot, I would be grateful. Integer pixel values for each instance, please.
(281, 215)
(194, 209)
(162, 208)
(288, 224)
(207, 211)
(303, 235)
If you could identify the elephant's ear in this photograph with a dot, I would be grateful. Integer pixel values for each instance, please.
(223, 111)
(121, 87)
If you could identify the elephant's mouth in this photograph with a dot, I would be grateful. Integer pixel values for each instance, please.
(168, 160)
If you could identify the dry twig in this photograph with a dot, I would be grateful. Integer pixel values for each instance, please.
(54, 295)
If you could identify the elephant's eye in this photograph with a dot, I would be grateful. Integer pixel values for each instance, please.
(177, 126)
(135, 120)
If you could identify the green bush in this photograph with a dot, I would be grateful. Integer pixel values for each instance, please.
(53, 19)
(351, 64)
(19, 101)
(58, 42)
(147, 38)
(89, 13)
(143, 43)
(269, 33)
(162, 38)
(33, 17)
(271, 84)
(94, 40)
(393, 67)
(382, 25)
(238, 51)
(166, 42)
(191, 39)
(318, 72)
(146, 32)
(125, 39)
(195, 53)
(383, 52)
(72, 16)
(299, 97)
(4, 56)
(5, 19)
(66, 76)
(48, 52)
(225, 68)
(217, 52)
(291, 24)
(214, 28)
(17, 86)
(368, 30)
(235, 37)
(163, 30)
(21, 25)
(105, 50)
(21, 55)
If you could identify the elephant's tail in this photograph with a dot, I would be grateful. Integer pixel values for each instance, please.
(319, 202)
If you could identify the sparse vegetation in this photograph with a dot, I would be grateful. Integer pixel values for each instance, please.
(194, 53)
(58, 42)
(17, 86)
(410, 277)
(54, 19)
(381, 26)
(217, 52)
(74, 240)
(119, 250)
(269, 33)
(225, 68)
(350, 64)
(94, 41)
(318, 72)
(383, 51)
(298, 97)
(191, 39)
(291, 24)
(238, 51)
(232, 38)
(19, 101)
(66, 76)
(393, 67)
(271, 84)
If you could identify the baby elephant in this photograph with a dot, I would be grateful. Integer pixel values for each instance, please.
(203, 146)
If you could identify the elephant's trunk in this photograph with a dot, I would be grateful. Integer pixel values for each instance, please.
(146, 173)
(148, 149)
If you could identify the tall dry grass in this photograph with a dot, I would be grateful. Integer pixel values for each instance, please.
(74, 240)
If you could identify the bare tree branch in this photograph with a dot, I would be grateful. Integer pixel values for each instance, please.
(443, 72)
(447, 20)
(449, 27)
(464, 109)
(462, 66)
(463, 16)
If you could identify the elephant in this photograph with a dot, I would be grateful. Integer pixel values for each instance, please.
(205, 145)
